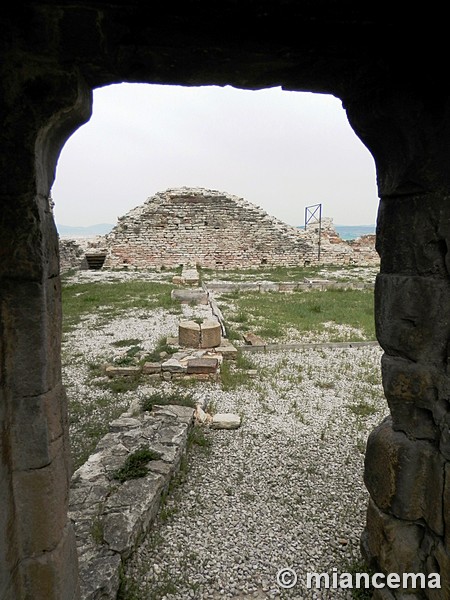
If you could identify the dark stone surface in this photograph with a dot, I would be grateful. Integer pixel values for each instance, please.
(53, 54)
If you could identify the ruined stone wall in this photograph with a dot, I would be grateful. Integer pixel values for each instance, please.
(216, 230)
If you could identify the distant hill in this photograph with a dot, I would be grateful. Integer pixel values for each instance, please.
(89, 231)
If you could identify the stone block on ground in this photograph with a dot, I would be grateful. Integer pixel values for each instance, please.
(113, 371)
(190, 296)
(227, 350)
(190, 276)
(211, 334)
(252, 339)
(189, 334)
(226, 421)
(150, 368)
(399, 474)
(121, 514)
(172, 365)
(202, 365)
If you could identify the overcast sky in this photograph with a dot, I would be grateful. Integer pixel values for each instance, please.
(280, 150)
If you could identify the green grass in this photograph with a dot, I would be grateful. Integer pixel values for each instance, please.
(269, 314)
(363, 409)
(111, 299)
(126, 343)
(135, 465)
(233, 374)
(161, 347)
(164, 399)
(263, 273)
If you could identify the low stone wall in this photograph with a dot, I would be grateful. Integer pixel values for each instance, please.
(111, 518)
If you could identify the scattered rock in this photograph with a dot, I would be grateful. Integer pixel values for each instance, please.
(173, 366)
(113, 371)
(253, 340)
(226, 421)
(201, 416)
(150, 368)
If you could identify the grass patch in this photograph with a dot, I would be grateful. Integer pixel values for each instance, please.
(270, 314)
(232, 376)
(135, 465)
(161, 347)
(126, 343)
(197, 437)
(111, 299)
(363, 409)
(164, 399)
(263, 273)
(360, 593)
(284, 274)
(120, 385)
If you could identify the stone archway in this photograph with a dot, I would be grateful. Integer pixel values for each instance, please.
(52, 57)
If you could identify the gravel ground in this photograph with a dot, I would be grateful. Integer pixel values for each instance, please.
(284, 490)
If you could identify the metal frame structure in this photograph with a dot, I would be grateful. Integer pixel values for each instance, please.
(313, 215)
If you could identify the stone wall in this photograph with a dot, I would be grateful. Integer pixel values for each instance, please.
(217, 230)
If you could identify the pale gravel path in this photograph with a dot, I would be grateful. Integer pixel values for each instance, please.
(284, 490)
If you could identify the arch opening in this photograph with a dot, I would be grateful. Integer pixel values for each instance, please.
(311, 470)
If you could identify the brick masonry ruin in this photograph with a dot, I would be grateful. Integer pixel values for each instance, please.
(215, 230)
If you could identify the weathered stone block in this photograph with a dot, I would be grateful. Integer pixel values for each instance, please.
(438, 561)
(211, 334)
(405, 477)
(189, 334)
(446, 503)
(173, 366)
(53, 575)
(393, 544)
(190, 296)
(150, 368)
(226, 421)
(41, 499)
(129, 511)
(252, 339)
(202, 365)
(100, 573)
(412, 317)
(38, 422)
(113, 371)
(227, 350)
(411, 391)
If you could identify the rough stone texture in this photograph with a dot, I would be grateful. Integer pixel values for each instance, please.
(210, 334)
(207, 334)
(226, 421)
(190, 296)
(217, 230)
(189, 334)
(110, 517)
(202, 365)
(52, 56)
(401, 474)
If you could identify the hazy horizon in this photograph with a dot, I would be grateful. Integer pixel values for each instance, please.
(280, 150)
